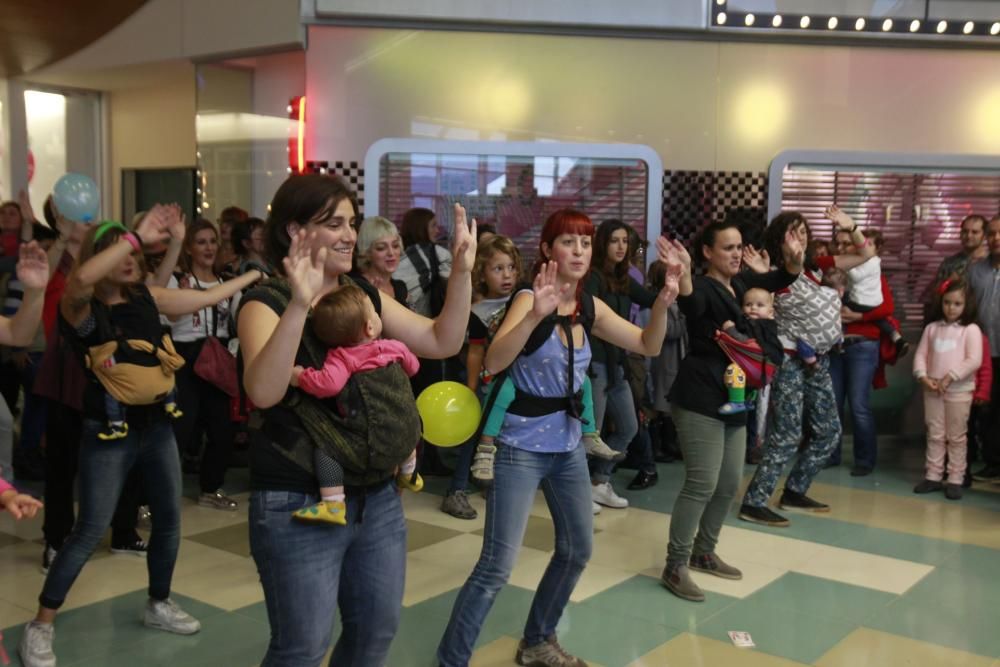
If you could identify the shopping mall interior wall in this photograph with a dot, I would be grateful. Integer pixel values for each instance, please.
(701, 105)
(152, 126)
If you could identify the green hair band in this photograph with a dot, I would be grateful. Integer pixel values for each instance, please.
(107, 226)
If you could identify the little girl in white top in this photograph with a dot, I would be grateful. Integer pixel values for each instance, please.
(949, 354)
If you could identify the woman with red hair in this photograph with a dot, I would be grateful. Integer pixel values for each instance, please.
(543, 450)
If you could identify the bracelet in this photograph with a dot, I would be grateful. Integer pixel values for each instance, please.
(133, 241)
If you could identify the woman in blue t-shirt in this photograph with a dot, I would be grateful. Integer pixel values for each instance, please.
(543, 450)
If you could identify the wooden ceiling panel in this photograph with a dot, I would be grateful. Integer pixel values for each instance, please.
(35, 33)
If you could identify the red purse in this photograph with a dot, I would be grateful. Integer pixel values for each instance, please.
(215, 364)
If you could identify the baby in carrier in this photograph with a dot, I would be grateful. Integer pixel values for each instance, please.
(758, 306)
(346, 321)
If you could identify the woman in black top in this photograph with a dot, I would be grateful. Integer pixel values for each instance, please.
(713, 444)
(309, 572)
(106, 300)
(610, 282)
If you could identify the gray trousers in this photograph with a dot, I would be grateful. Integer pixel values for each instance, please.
(713, 468)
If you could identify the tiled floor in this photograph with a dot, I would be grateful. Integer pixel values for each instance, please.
(887, 578)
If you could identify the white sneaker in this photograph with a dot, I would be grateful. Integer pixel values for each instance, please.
(603, 494)
(167, 615)
(35, 648)
(597, 508)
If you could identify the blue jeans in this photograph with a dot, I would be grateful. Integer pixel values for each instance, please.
(614, 401)
(852, 372)
(517, 475)
(307, 570)
(460, 478)
(104, 467)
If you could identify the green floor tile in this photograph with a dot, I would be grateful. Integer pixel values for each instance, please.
(100, 630)
(645, 598)
(973, 631)
(420, 534)
(235, 539)
(781, 630)
(226, 639)
(506, 617)
(814, 596)
(610, 639)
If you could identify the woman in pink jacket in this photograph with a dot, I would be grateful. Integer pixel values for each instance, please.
(947, 360)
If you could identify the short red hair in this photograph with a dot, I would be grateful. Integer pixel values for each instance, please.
(563, 221)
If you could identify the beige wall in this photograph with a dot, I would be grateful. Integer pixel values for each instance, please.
(152, 126)
(700, 105)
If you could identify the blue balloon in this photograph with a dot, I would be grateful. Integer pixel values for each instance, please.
(76, 197)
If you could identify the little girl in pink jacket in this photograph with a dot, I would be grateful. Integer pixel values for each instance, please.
(947, 360)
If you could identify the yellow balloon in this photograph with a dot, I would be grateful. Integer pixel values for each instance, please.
(450, 412)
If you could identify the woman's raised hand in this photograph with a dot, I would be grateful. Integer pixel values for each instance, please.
(33, 266)
(547, 290)
(154, 226)
(841, 219)
(463, 244)
(793, 250)
(305, 267)
(758, 261)
(175, 222)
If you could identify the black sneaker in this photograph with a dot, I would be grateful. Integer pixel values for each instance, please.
(135, 547)
(928, 486)
(790, 500)
(763, 516)
(988, 473)
(953, 491)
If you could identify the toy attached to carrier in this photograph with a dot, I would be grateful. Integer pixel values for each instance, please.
(749, 367)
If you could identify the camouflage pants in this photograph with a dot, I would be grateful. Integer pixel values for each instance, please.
(795, 392)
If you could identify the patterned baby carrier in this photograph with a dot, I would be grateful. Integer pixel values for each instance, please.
(810, 312)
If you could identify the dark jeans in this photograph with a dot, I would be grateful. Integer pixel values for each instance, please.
(64, 427)
(852, 371)
(104, 470)
(991, 430)
(206, 412)
(308, 571)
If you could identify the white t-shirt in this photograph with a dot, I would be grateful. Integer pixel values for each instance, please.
(865, 288)
(189, 328)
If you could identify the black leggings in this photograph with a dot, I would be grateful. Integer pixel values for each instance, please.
(206, 412)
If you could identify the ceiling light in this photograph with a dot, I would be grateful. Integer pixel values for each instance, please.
(942, 26)
(887, 25)
(914, 25)
(776, 21)
(859, 24)
(804, 22)
(832, 23)
(995, 28)
(749, 19)
(720, 18)
(967, 28)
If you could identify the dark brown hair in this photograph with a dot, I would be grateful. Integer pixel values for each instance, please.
(617, 278)
(413, 228)
(969, 313)
(242, 234)
(302, 199)
(339, 317)
(774, 236)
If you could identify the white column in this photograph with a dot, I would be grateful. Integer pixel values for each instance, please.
(14, 161)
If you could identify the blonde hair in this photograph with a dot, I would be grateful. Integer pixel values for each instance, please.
(484, 253)
(370, 231)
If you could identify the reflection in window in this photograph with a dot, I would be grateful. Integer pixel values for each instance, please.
(515, 193)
